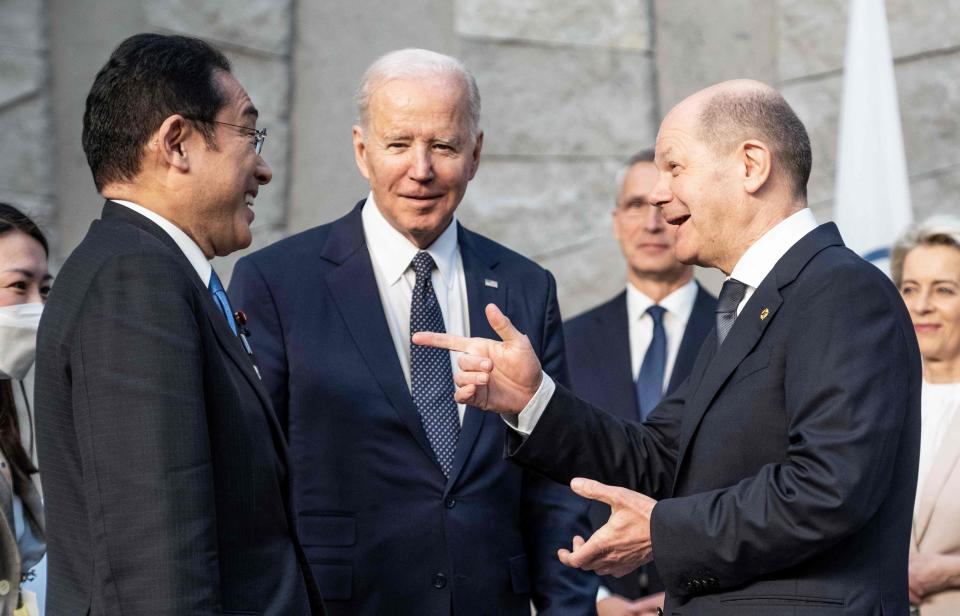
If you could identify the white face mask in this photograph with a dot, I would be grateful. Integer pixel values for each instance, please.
(18, 339)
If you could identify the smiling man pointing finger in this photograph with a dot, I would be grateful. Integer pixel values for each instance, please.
(784, 467)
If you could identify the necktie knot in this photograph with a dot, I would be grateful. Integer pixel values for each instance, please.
(423, 264)
(220, 297)
(215, 285)
(731, 294)
(656, 313)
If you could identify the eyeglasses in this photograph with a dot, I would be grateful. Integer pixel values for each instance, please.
(259, 135)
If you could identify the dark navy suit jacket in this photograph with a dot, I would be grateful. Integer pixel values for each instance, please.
(786, 463)
(598, 354)
(384, 530)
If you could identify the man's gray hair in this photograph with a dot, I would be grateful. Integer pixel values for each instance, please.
(938, 230)
(645, 155)
(416, 63)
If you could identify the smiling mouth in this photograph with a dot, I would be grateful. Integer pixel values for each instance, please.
(678, 220)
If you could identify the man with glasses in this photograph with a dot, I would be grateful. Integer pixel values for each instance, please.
(165, 471)
(626, 354)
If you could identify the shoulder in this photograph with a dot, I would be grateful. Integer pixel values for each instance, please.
(840, 273)
(508, 261)
(587, 322)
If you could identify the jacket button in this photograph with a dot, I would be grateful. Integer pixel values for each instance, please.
(450, 503)
(439, 581)
(4, 588)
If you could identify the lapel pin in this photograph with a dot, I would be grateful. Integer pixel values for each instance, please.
(764, 313)
(493, 284)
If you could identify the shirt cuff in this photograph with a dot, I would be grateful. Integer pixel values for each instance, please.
(603, 593)
(526, 421)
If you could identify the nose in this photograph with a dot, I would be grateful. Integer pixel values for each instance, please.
(661, 195)
(653, 220)
(33, 295)
(421, 167)
(920, 302)
(263, 172)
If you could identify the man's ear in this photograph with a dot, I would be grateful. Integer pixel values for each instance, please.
(360, 151)
(477, 146)
(170, 142)
(757, 164)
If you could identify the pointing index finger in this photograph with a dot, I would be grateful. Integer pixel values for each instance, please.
(441, 341)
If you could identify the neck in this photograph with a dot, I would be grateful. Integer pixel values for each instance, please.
(159, 205)
(657, 289)
(762, 222)
(941, 371)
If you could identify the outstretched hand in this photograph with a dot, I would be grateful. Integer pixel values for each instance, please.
(493, 376)
(623, 543)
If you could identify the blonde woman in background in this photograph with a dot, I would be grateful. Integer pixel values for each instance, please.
(926, 268)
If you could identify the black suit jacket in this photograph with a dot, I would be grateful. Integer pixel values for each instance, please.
(385, 531)
(598, 353)
(164, 468)
(786, 464)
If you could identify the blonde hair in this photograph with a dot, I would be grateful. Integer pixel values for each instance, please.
(938, 230)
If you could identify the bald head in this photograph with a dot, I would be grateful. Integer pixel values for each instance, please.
(732, 112)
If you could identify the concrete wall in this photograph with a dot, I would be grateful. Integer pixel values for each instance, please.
(570, 89)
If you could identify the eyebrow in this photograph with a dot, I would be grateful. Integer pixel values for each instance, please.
(667, 153)
(938, 281)
(251, 111)
(27, 273)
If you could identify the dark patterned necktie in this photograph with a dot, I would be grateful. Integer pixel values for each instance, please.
(650, 378)
(731, 294)
(431, 376)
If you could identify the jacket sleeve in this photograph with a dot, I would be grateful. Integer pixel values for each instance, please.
(138, 381)
(552, 513)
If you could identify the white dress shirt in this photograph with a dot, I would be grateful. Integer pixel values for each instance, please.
(678, 306)
(187, 246)
(391, 254)
(939, 406)
(751, 269)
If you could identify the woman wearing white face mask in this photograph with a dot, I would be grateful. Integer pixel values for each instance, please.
(24, 283)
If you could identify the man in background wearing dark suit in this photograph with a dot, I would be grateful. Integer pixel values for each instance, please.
(164, 468)
(785, 465)
(626, 354)
(404, 501)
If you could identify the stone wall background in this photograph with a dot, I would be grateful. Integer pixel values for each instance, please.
(570, 89)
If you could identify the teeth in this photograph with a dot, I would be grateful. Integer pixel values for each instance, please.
(249, 200)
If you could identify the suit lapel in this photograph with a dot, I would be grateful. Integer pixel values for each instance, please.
(484, 287)
(353, 288)
(945, 462)
(749, 328)
(610, 351)
(225, 336)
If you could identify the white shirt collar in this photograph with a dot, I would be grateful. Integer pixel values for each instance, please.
(679, 303)
(393, 252)
(187, 246)
(759, 259)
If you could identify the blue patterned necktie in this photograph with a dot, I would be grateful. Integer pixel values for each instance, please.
(431, 376)
(731, 294)
(220, 297)
(650, 379)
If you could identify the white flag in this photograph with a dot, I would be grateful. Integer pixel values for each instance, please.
(872, 204)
